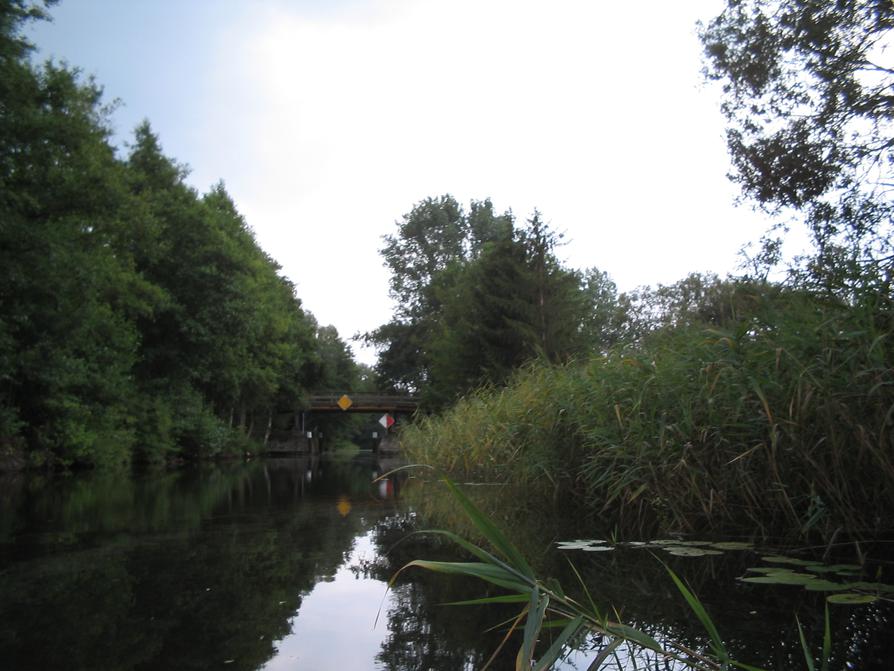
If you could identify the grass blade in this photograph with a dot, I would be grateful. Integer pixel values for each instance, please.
(628, 633)
(505, 638)
(603, 655)
(481, 553)
(583, 584)
(536, 611)
(808, 658)
(480, 570)
(827, 642)
(702, 615)
(558, 645)
(505, 598)
(493, 535)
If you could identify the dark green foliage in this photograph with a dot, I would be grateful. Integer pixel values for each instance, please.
(137, 319)
(776, 416)
(477, 297)
(734, 402)
(807, 96)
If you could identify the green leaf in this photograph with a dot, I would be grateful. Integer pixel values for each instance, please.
(536, 610)
(852, 598)
(494, 536)
(777, 559)
(678, 551)
(596, 664)
(629, 633)
(827, 641)
(820, 585)
(843, 569)
(583, 585)
(481, 553)
(480, 570)
(769, 569)
(873, 587)
(558, 645)
(505, 598)
(556, 624)
(808, 658)
(702, 615)
(733, 545)
(781, 578)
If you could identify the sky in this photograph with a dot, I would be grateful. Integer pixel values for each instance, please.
(329, 119)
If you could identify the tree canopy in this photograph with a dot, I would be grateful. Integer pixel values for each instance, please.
(808, 94)
(138, 319)
(477, 296)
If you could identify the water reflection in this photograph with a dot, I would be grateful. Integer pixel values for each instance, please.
(341, 611)
(183, 570)
(282, 564)
(757, 622)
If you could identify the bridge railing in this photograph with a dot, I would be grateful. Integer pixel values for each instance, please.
(364, 402)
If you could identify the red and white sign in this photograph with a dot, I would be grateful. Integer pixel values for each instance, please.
(386, 420)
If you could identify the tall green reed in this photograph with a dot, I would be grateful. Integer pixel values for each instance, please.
(505, 567)
(780, 420)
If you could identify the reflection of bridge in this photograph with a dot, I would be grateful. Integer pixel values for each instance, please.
(363, 403)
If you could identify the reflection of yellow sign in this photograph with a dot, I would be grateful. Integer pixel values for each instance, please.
(344, 402)
(343, 505)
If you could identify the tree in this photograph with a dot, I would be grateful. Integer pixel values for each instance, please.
(67, 292)
(430, 237)
(432, 240)
(136, 318)
(512, 303)
(809, 100)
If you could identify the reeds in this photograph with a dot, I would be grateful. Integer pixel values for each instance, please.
(779, 420)
(546, 605)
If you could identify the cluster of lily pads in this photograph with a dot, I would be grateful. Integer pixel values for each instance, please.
(677, 548)
(814, 576)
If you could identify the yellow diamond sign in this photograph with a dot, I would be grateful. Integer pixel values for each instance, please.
(345, 402)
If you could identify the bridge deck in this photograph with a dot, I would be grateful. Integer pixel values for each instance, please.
(364, 403)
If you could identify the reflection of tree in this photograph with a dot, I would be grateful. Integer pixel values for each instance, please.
(756, 621)
(185, 570)
(423, 632)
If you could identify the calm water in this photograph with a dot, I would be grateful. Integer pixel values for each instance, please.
(283, 564)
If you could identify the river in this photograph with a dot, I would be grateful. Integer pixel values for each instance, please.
(283, 564)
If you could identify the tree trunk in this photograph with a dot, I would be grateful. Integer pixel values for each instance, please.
(269, 426)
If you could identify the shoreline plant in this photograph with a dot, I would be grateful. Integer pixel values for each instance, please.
(508, 569)
(779, 419)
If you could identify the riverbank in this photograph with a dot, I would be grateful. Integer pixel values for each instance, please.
(779, 422)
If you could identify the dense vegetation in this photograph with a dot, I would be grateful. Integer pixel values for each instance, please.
(477, 296)
(138, 319)
(777, 416)
(708, 403)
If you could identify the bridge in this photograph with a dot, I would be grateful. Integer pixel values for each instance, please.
(303, 435)
(357, 402)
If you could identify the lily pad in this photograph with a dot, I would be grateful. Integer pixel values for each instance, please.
(873, 587)
(852, 598)
(578, 544)
(732, 545)
(820, 585)
(781, 578)
(770, 569)
(777, 559)
(682, 551)
(840, 569)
